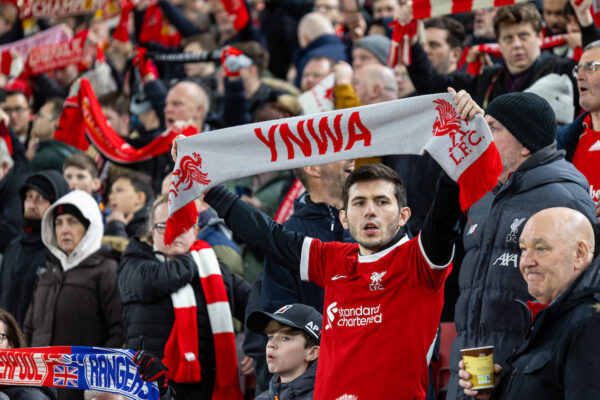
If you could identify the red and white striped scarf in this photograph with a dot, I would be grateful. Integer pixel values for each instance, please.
(181, 350)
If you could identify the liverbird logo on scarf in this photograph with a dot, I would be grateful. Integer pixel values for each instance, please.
(449, 123)
(189, 173)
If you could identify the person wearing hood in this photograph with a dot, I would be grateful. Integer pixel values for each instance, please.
(558, 359)
(76, 301)
(25, 255)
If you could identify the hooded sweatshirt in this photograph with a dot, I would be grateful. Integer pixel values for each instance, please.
(76, 301)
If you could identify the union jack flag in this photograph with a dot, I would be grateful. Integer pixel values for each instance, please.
(65, 376)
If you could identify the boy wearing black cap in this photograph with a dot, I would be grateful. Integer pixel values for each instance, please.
(293, 333)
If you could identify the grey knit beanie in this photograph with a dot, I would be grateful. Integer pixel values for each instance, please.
(378, 45)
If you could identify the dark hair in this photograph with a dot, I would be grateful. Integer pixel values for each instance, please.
(456, 32)
(516, 14)
(82, 161)
(57, 106)
(276, 326)
(255, 52)
(374, 172)
(117, 101)
(140, 182)
(13, 333)
(206, 40)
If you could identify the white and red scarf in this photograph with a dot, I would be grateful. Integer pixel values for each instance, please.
(465, 150)
(83, 122)
(181, 350)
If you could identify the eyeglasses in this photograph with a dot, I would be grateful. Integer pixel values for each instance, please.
(589, 67)
(16, 110)
(324, 7)
(160, 227)
(2, 337)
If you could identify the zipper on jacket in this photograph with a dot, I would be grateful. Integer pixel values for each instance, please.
(512, 376)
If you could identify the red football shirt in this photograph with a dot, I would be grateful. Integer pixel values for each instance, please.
(381, 317)
(587, 157)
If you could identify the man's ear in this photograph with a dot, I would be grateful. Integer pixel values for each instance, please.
(95, 185)
(455, 53)
(404, 216)
(525, 152)
(140, 197)
(583, 255)
(313, 354)
(344, 219)
(313, 171)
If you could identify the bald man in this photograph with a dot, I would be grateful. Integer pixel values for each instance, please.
(375, 83)
(316, 36)
(186, 101)
(560, 357)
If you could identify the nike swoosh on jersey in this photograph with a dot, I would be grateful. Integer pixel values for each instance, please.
(335, 278)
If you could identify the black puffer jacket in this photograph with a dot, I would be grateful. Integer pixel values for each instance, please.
(300, 388)
(146, 284)
(491, 307)
(559, 358)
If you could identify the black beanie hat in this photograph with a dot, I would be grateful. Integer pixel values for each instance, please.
(72, 210)
(527, 116)
(50, 184)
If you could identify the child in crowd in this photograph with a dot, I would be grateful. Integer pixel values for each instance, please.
(293, 333)
(128, 196)
(81, 173)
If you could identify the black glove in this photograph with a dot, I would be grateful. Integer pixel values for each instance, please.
(152, 369)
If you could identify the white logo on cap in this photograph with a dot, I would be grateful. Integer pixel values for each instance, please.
(313, 328)
(283, 309)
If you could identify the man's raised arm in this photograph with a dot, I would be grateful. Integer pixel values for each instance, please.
(256, 228)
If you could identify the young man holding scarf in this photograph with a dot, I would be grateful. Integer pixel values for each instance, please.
(383, 295)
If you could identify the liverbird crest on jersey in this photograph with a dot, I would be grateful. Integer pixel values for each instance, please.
(189, 173)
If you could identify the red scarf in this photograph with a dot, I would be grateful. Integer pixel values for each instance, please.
(156, 28)
(181, 350)
(54, 56)
(534, 308)
(286, 209)
(238, 10)
(493, 49)
(121, 32)
(82, 121)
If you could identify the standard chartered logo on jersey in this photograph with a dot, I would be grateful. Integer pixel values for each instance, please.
(352, 316)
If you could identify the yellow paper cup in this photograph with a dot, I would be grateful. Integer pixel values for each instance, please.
(479, 362)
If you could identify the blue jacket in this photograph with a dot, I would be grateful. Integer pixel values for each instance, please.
(324, 46)
(491, 307)
(567, 136)
(280, 286)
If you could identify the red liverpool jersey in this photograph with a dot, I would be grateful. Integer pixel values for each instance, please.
(381, 317)
(587, 157)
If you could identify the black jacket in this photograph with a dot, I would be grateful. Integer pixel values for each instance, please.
(301, 388)
(11, 208)
(559, 357)
(146, 284)
(491, 307)
(567, 136)
(280, 286)
(24, 260)
(494, 80)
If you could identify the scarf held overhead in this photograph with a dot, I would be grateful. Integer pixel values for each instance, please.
(86, 368)
(464, 149)
(83, 121)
